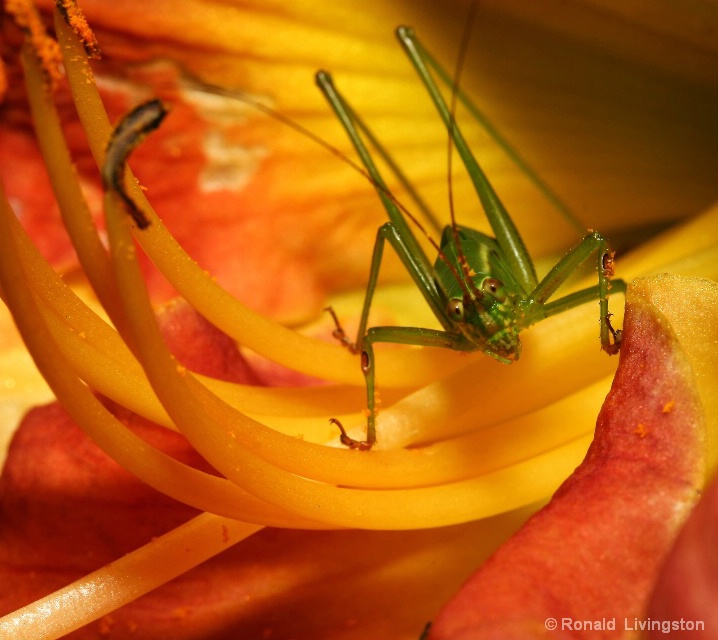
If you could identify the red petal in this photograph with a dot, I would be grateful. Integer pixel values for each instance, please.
(67, 509)
(201, 347)
(687, 588)
(595, 550)
(30, 194)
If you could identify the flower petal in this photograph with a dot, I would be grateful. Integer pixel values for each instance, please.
(687, 587)
(320, 584)
(594, 552)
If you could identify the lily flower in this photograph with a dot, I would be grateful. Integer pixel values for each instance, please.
(173, 454)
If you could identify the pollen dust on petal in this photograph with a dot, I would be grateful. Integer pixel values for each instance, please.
(641, 430)
(179, 613)
(106, 625)
(668, 407)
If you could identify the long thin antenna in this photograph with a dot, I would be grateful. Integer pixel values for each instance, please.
(256, 104)
(238, 94)
(461, 58)
(548, 193)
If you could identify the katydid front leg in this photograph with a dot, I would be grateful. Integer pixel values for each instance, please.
(415, 265)
(417, 336)
(539, 308)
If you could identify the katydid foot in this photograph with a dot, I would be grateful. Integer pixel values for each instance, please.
(339, 332)
(359, 445)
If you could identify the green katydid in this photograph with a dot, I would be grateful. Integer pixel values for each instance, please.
(483, 291)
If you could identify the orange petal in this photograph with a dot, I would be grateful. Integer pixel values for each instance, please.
(594, 552)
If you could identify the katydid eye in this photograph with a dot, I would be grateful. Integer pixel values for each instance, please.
(494, 288)
(455, 309)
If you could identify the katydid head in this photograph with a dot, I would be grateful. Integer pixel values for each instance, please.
(481, 296)
(487, 318)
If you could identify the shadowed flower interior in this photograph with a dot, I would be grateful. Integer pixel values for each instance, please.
(274, 456)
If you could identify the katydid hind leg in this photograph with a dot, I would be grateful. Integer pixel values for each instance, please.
(511, 152)
(411, 191)
(346, 117)
(411, 254)
(507, 235)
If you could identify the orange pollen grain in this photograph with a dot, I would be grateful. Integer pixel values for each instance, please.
(77, 22)
(641, 430)
(668, 407)
(46, 49)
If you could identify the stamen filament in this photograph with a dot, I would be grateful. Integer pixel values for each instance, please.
(184, 483)
(126, 579)
(405, 368)
(221, 434)
(63, 177)
(102, 359)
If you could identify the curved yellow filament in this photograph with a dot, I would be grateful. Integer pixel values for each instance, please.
(443, 460)
(73, 208)
(126, 579)
(178, 480)
(405, 368)
(233, 443)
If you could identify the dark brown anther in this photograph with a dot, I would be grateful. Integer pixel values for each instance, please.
(74, 18)
(126, 136)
